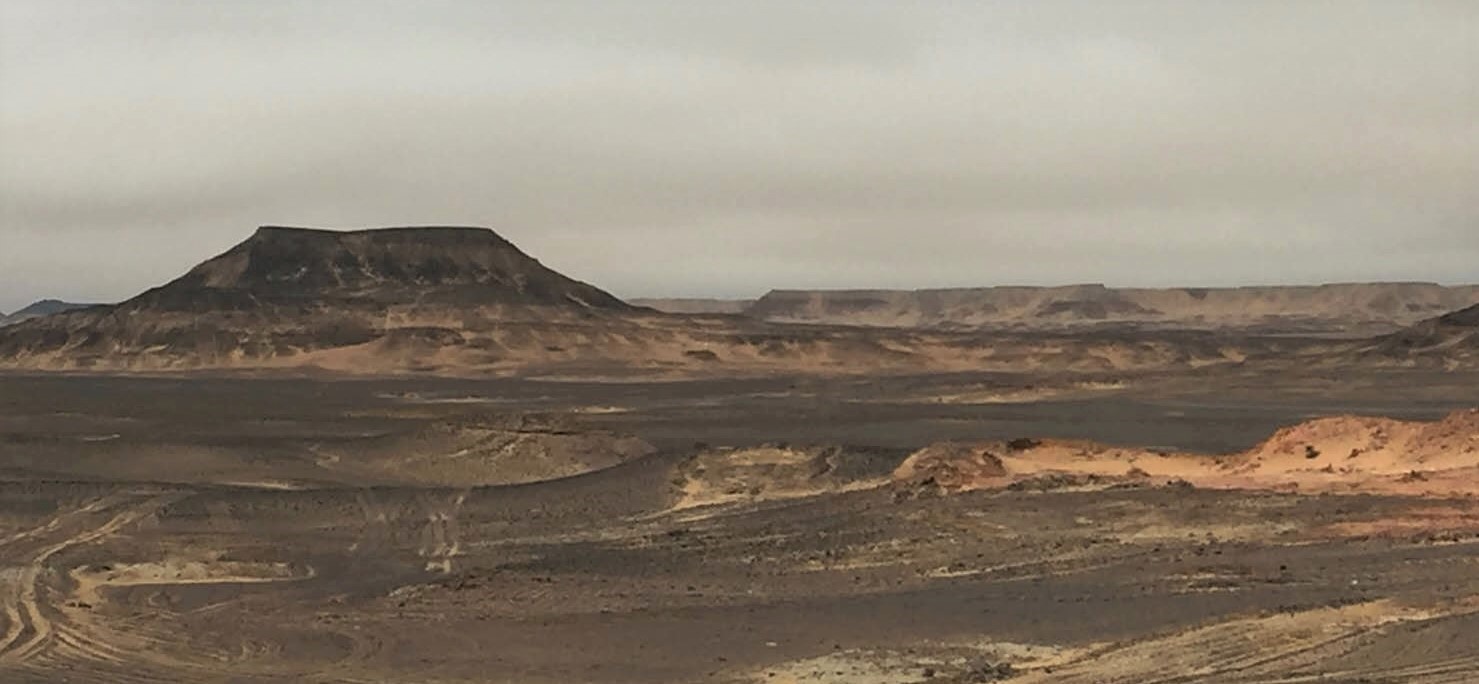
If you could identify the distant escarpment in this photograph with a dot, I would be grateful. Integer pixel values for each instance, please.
(693, 305)
(1355, 308)
(465, 301)
(45, 307)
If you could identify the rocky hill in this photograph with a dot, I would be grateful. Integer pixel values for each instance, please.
(384, 267)
(45, 307)
(287, 292)
(1450, 340)
(1356, 308)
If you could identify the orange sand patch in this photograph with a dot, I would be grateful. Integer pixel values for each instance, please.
(1338, 454)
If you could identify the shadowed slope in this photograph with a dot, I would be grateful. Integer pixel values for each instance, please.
(1450, 340)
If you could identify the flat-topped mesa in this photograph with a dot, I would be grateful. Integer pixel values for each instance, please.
(436, 264)
(392, 298)
(1337, 307)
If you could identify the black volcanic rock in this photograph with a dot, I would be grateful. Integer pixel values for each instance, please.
(1450, 340)
(433, 265)
(1466, 318)
(287, 292)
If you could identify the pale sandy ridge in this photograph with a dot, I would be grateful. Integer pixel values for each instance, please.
(1335, 454)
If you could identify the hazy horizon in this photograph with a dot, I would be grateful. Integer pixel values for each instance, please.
(755, 295)
(660, 149)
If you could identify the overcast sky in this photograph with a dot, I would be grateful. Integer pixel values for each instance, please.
(690, 148)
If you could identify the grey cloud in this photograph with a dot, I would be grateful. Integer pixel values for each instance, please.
(666, 148)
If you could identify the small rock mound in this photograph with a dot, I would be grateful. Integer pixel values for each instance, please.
(950, 467)
(488, 450)
(726, 475)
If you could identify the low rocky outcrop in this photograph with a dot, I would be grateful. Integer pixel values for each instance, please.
(1450, 340)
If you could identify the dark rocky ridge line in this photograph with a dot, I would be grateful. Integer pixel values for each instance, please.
(1467, 317)
(694, 305)
(1450, 340)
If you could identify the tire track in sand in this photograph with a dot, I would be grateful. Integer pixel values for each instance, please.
(29, 631)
